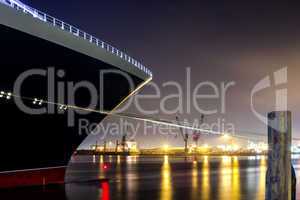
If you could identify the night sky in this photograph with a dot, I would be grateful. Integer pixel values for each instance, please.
(219, 41)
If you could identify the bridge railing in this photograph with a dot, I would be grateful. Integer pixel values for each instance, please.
(75, 31)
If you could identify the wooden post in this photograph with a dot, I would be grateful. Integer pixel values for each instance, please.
(280, 171)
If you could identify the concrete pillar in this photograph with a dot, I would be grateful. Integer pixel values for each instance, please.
(279, 173)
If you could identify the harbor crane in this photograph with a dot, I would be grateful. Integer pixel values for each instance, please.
(185, 135)
(196, 135)
(117, 146)
(123, 143)
(124, 140)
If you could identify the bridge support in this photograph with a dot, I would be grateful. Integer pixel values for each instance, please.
(280, 178)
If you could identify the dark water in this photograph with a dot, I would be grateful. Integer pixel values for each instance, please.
(132, 177)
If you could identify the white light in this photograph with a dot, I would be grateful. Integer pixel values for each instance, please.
(35, 101)
(41, 102)
(63, 107)
(8, 96)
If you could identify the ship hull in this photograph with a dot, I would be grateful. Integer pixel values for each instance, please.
(35, 148)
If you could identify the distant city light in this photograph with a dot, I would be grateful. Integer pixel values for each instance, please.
(257, 147)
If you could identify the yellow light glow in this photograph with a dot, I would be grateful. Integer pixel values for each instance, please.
(166, 159)
(195, 189)
(118, 159)
(166, 147)
(225, 136)
(206, 160)
(236, 186)
(235, 147)
(226, 160)
(190, 150)
(205, 186)
(166, 182)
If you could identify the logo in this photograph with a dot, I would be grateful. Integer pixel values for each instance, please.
(280, 78)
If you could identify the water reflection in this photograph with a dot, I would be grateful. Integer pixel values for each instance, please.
(105, 191)
(262, 179)
(169, 177)
(205, 189)
(236, 185)
(195, 177)
(118, 160)
(229, 187)
(119, 175)
(131, 177)
(166, 181)
(101, 160)
(131, 159)
(101, 168)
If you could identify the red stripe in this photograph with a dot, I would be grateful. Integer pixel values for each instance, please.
(32, 177)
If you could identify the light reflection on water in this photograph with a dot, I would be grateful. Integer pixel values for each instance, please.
(166, 182)
(236, 190)
(229, 176)
(262, 176)
(195, 178)
(205, 189)
(168, 177)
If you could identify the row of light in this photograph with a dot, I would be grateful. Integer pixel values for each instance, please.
(75, 31)
(6, 95)
(40, 102)
(63, 107)
(36, 101)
